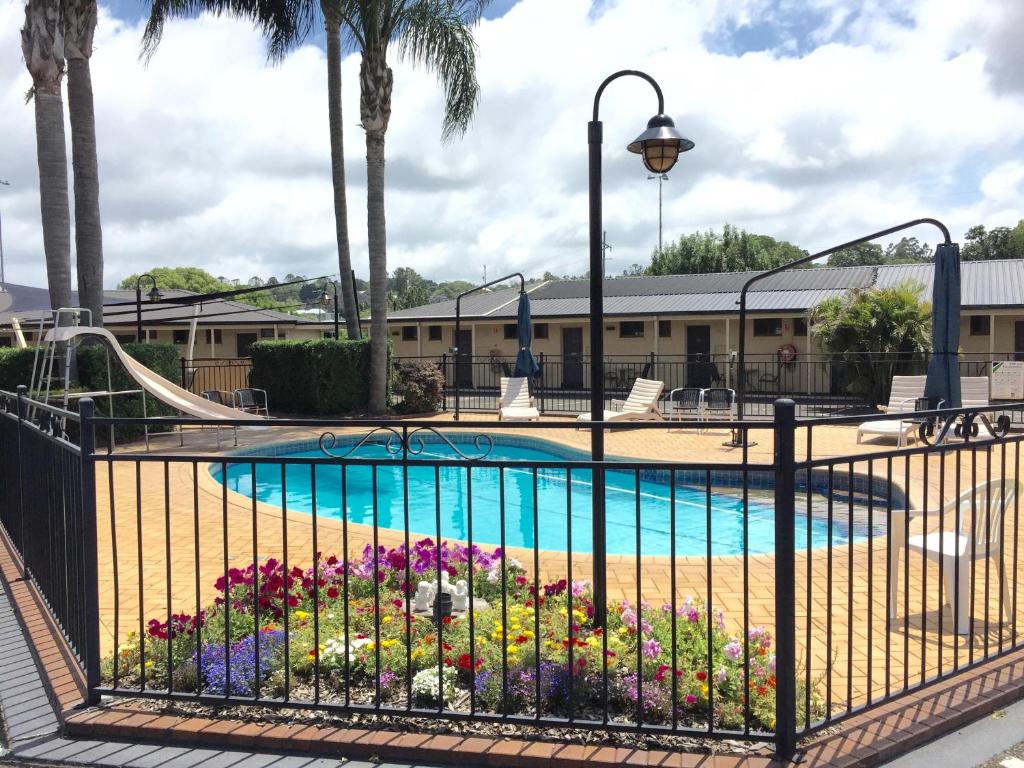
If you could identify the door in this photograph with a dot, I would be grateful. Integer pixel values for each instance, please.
(1018, 340)
(464, 359)
(243, 344)
(698, 356)
(572, 358)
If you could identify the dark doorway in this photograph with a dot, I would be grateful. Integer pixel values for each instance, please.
(1018, 340)
(572, 358)
(698, 356)
(244, 342)
(464, 359)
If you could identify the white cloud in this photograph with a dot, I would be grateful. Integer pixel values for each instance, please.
(211, 157)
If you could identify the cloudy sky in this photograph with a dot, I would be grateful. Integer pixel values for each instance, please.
(816, 121)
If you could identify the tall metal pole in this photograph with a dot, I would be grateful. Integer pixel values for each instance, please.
(660, 179)
(336, 331)
(138, 309)
(599, 543)
(739, 434)
(3, 279)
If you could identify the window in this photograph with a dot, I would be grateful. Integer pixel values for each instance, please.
(799, 326)
(540, 330)
(266, 333)
(511, 330)
(152, 335)
(125, 338)
(409, 333)
(631, 329)
(5, 341)
(981, 325)
(665, 329)
(180, 337)
(218, 336)
(771, 326)
(433, 332)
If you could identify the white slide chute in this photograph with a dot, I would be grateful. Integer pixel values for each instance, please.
(154, 384)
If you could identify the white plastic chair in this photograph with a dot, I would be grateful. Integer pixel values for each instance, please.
(903, 397)
(982, 510)
(516, 403)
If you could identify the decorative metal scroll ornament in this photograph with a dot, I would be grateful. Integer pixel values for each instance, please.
(966, 426)
(408, 443)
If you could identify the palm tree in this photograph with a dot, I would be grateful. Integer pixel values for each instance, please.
(436, 34)
(42, 43)
(285, 25)
(79, 26)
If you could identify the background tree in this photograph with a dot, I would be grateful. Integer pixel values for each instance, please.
(285, 25)
(908, 251)
(864, 254)
(877, 333)
(997, 243)
(732, 250)
(79, 26)
(436, 34)
(42, 44)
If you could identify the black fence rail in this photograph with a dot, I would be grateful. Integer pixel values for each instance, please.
(820, 384)
(48, 513)
(223, 374)
(419, 569)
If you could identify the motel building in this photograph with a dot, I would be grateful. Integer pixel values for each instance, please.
(683, 329)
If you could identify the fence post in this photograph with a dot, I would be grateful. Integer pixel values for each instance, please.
(90, 578)
(540, 384)
(444, 388)
(22, 389)
(785, 580)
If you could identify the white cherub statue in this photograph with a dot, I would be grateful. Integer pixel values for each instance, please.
(460, 599)
(424, 597)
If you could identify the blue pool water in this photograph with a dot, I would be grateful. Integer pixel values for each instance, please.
(556, 495)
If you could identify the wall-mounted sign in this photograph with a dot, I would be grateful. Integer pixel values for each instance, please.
(1008, 380)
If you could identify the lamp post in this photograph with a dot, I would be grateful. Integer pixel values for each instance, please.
(154, 295)
(660, 177)
(659, 146)
(3, 279)
(325, 301)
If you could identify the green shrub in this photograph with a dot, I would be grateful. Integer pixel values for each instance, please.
(313, 377)
(16, 367)
(162, 359)
(420, 384)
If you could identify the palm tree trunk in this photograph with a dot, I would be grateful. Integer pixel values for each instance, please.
(42, 44)
(88, 233)
(376, 232)
(350, 302)
(53, 196)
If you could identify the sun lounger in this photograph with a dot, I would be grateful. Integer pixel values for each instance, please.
(516, 403)
(906, 391)
(642, 403)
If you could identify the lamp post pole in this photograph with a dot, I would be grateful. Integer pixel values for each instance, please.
(660, 146)
(3, 279)
(660, 177)
(323, 300)
(154, 295)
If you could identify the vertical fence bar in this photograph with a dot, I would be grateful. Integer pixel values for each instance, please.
(785, 579)
(21, 486)
(90, 577)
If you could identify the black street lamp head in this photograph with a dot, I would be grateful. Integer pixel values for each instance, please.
(155, 293)
(660, 145)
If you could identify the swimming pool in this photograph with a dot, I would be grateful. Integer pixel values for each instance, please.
(556, 496)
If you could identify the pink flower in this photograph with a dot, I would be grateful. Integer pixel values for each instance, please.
(691, 699)
(722, 676)
(733, 650)
(651, 648)
(629, 619)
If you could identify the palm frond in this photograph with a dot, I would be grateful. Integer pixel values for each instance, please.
(284, 23)
(438, 34)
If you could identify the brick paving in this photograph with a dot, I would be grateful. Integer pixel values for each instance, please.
(847, 617)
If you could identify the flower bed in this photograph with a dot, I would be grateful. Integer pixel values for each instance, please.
(344, 632)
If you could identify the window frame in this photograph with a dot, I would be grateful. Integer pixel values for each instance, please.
(776, 327)
(435, 333)
(664, 329)
(987, 323)
(633, 325)
(541, 331)
(801, 328)
(410, 333)
(511, 331)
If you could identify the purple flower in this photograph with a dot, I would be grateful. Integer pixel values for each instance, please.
(651, 648)
(733, 650)
(243, 663)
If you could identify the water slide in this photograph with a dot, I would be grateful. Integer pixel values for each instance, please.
(156, 385)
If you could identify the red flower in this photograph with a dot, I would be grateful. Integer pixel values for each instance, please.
(446, 620)
(447, 646)
(464, 661)
(332, 592)
(702, 676)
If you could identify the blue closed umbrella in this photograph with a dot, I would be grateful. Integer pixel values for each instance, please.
(526, 364)
(943, 382)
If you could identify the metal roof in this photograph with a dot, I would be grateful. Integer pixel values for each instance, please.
(983, 284)
(30, 303)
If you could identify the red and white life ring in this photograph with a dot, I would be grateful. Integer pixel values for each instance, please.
(787, 354)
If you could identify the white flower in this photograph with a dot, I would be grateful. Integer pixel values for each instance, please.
(429, 686)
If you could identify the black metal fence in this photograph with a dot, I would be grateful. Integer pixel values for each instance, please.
(821, 384)
(412, 568)
(214, 373)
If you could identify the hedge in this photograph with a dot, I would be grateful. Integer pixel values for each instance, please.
(16, 367)
(326, 377)
(162, 359)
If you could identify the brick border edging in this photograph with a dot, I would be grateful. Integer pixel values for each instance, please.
(62, 677)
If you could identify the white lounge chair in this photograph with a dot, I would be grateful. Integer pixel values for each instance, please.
(516, 403)
(641, 405)
(903, 396)
(982, 511)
